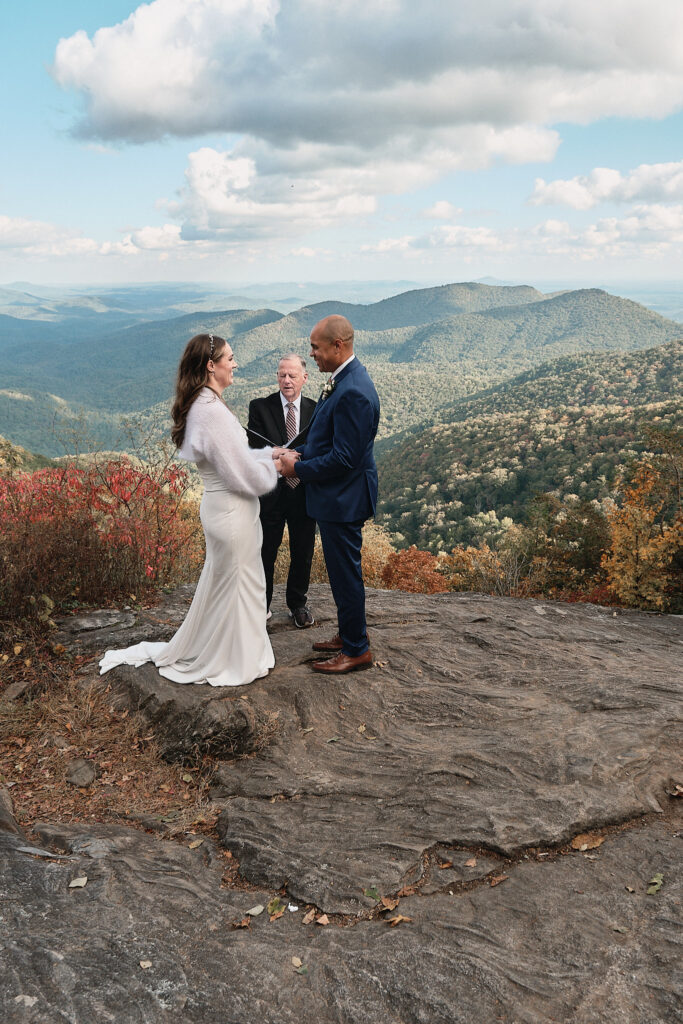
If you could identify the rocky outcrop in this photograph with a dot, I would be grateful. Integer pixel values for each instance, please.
(452, 777)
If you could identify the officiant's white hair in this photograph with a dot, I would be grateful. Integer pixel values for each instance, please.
(292, 355)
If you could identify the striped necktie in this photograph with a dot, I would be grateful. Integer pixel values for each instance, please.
(290, 424)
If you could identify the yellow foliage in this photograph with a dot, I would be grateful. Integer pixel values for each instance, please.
(639, 564)
(376, 549)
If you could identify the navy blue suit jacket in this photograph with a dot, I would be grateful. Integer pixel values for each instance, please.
(337, 461)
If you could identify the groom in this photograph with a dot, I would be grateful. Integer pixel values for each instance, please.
(338, 467)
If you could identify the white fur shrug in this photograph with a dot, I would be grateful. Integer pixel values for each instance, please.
(216, 441)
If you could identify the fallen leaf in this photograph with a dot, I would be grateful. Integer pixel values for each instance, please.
(361, 728)
(399, 919)
(145, 964)
(407, 890)
(371, 893)
(655, 884)
(276, 906)
(620, 928)
(79, 883)
(333, 739)
(17, 648)
(323, 919)
(445, 864)
(296, 961)
(308, 918)
(277, 914)
(471, 863)
(497, 879)
(389, 904)
(195, 843)
(629, 889)
(586, 841)
(244, 923)
(187, 777)
(310, 729)
(255, 911)
(301, 970)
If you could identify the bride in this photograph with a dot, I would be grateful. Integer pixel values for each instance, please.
(223, 640)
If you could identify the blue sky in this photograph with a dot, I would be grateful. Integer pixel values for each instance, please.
(242, 141)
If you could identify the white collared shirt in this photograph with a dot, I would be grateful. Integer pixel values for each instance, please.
(340, 368)
(297, 410)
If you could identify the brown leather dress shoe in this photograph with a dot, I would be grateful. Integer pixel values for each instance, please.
(344, 663)
(332, 645)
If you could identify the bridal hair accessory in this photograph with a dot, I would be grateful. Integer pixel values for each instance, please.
(328, 389)
(211, 352)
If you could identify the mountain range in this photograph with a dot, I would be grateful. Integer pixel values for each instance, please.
(475, 367)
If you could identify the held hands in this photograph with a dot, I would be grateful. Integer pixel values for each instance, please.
(287, 460)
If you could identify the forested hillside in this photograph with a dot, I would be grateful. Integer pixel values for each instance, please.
(457, 484)
(566, 428)
(426, 349)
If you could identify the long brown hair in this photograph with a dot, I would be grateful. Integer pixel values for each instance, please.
(193, 375)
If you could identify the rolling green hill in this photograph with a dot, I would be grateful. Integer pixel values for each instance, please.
(425, 348)
(564, 428)
(518, 338)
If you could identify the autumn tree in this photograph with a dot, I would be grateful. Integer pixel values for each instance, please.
(415, 571)
(645, 562)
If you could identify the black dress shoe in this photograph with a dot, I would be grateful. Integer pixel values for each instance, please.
(302, 617)
(344, 663)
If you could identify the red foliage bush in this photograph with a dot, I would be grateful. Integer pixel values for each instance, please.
(415, 571)
(96, 533)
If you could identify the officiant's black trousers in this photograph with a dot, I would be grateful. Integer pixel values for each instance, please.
(288, 506)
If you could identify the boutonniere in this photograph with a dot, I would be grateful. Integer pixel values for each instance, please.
(328, 389)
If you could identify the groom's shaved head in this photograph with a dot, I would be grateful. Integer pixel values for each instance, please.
(336, 328)
(331, 342)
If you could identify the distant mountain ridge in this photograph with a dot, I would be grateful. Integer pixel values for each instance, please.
(425, 348)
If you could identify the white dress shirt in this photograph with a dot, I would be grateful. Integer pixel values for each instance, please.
(340, 368)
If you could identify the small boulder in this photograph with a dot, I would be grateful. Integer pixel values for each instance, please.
(81, 772)
(8, 822)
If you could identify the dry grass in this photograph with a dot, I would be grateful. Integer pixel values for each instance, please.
(376, 549)
(41, 736)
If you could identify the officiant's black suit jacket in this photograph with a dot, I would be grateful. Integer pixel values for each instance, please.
(267, 417)
(284, 504)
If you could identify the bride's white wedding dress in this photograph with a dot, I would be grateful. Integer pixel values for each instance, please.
(223, 639)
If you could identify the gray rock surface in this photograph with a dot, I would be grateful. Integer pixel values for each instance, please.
(81, 772)
(559, 940)
(488, 734)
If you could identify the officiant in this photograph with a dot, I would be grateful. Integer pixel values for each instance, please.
(280, 417)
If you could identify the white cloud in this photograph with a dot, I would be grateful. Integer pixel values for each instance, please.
(455, 238)
(647, 231)
(442, 210)
(648, 182)
(39, 238)
(35, 238)
(165, 237)
(287, 71)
